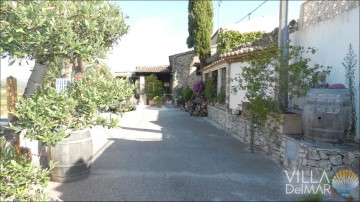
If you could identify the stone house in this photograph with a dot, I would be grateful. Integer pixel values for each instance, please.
(226, 67)
(185, 68)
(329, 31)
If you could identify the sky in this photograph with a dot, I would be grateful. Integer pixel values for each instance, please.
(159, 29)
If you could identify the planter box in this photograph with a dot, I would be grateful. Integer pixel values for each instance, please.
(291, 124)
(152, 103)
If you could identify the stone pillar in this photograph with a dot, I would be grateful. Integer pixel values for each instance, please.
(142, 90)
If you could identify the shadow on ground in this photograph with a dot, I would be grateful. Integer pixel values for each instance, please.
(164, 154)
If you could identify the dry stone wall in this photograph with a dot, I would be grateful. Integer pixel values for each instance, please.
(292, 152)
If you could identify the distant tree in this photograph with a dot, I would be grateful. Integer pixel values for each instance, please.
(200, 27)
(50, 30)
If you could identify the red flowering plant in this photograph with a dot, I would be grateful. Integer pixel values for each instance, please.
(198, 88)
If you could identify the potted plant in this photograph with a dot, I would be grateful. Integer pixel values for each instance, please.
(61, 121)
(158, 101)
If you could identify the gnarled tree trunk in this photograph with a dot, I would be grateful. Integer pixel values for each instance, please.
(36, 79)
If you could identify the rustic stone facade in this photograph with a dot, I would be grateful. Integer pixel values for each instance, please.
(292, 152)
(184, 70)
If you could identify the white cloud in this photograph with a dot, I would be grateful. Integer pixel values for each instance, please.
(149, 42)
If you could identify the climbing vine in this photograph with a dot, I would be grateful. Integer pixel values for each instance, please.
(230, 39)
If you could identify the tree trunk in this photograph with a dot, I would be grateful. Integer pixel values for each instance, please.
(68, 69)
(252, 133)
(80, 67)
(202, 62)
(36, 79)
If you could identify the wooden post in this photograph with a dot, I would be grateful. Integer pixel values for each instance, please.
(11, 88)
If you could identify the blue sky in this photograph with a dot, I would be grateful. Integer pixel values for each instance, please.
(159, 29)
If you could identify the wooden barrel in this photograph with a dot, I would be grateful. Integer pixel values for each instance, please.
(73, 156)
(326, 115)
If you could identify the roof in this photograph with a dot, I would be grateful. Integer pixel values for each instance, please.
(124, 74)
(153, 69)
(183, 53)
(243, 49)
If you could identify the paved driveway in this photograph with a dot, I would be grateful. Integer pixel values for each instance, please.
(164, 154)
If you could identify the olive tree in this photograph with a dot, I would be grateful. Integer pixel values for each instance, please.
(49, 30)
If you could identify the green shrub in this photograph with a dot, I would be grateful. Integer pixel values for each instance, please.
(21, 180)
(179, 96)
(43, 114)
(47, 114)
(157, 99)
(153, 86)
(187, 94)
(313, 197)
(126, 107)
(221, 97)
(230, 39)
(210, 91)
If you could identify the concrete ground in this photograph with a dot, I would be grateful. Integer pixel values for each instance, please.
(163, 154)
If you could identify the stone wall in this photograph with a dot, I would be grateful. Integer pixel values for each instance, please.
(290, 151)
(184, 71)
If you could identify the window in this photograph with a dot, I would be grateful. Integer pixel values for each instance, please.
(206, 77)
(223, 79)
(214, 76)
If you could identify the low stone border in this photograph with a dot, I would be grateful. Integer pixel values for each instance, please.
(292, 152)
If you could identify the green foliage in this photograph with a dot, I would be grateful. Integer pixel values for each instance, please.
(230, 39)
(127, 106)
(45, 30)
(210, 91)
(313, 197)
(180, 96)
(45, 115)
(262, 81)
(90, 94)
(21, 180)
(153, 86)
(101, 68)
(187, 94)
(200, 27)
(158, 100)
(350, 65)
(54, 72)
(221, 97)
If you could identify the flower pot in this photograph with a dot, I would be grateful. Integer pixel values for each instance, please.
(152, 103)
(73, 156)
(290, 124)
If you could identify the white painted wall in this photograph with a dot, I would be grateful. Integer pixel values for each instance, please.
(332, 38)
(236, 98)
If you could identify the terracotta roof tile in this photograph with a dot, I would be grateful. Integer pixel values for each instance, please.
(153, 69)
(245, 48)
